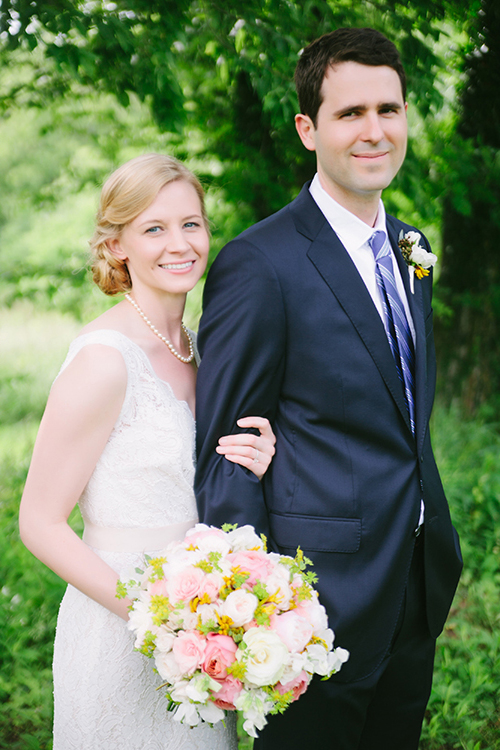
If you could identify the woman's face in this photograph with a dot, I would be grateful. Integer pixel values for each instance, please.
(166, 246)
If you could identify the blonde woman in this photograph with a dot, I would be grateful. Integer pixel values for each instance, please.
(117, 437)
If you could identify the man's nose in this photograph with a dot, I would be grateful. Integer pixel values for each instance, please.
(372, 128)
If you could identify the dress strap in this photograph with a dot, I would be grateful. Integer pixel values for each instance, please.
(135, 539)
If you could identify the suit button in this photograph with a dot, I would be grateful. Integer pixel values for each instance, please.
(421, 459)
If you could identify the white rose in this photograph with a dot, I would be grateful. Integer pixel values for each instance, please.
(240, 606)
(243, 538)
(265, 657)
(279, 581)
(214, 543)
(413, 237)
(164, 639)
(422, 258)
(208, 612)
(167, 666)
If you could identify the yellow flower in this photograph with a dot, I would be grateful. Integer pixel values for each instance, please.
(421, 272)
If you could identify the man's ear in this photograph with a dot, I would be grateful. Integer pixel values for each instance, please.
(306, 130)
(115, 248)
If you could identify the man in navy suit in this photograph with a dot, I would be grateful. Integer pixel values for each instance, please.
(314, 319)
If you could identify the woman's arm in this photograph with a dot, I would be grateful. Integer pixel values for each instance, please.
(82, 408)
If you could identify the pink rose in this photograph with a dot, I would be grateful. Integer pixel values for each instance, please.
(298, 685)
(211, 585)
(185, 584)
(192, 537)
(226, 696)
(158, 588)
(254, 562)
(188, 649)
(219, 654)
(314, 612)
(295, 631)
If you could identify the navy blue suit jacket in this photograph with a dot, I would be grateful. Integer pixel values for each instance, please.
(290, 332)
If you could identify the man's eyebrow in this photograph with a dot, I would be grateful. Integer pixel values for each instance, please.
(363, 108)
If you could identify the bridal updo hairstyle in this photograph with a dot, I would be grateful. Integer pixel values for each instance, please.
(125, 194)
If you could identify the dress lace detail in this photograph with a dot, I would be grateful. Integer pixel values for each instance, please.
(105, 695)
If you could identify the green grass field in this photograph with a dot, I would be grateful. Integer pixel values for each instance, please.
(464, 711)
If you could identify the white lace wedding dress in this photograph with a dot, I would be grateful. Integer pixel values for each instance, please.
(141, 489)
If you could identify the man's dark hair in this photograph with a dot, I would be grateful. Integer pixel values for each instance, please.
(364, 46)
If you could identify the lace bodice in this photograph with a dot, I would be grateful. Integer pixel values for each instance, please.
(145, 474)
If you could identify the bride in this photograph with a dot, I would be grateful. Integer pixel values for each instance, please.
(117, 437)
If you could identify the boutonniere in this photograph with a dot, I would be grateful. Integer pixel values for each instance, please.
(417, 258)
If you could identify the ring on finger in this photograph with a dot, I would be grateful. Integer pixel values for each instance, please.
(256, 457)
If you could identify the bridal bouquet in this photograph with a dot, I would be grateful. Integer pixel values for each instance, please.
(230, 626)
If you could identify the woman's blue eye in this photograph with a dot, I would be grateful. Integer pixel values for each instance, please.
(153, 230)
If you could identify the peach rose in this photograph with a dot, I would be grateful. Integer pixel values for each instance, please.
(298, 685)
(226, 696)
(219, 654)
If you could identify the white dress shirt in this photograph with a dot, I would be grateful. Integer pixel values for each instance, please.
(354, 235)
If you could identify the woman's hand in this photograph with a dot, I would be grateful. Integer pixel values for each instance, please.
(255, 452)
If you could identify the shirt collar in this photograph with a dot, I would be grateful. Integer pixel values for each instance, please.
(352, 232)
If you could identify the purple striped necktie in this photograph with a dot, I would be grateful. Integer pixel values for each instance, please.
(397, 328)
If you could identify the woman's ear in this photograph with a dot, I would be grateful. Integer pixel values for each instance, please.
(115, 248)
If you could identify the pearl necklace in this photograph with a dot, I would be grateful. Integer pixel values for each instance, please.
(172, 348)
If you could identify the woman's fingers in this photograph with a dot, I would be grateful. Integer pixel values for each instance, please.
(260, 423)
(255, 452)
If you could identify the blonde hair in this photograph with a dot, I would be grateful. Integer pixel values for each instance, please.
(125, 194)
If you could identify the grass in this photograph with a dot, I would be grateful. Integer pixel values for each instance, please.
(464, 710)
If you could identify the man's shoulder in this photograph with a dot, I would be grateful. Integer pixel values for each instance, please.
(277, 229)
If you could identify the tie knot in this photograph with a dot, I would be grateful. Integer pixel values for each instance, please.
(377, 242)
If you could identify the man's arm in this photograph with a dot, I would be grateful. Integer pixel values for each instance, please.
(242, 345)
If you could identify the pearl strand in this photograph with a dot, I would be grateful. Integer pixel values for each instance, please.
(174, 351)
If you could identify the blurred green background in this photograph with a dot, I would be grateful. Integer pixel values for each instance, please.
(86, 86)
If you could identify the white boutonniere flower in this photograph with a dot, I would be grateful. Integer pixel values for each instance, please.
(417, 258)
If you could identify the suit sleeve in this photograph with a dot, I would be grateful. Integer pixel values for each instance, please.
(242, 343)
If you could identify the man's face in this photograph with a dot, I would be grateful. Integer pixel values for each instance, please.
(360, 134)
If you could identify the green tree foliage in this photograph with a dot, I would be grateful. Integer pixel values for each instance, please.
(470, 278)
(218, 78)
(224, 69)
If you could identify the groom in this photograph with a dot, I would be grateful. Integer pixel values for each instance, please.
(314, 319)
